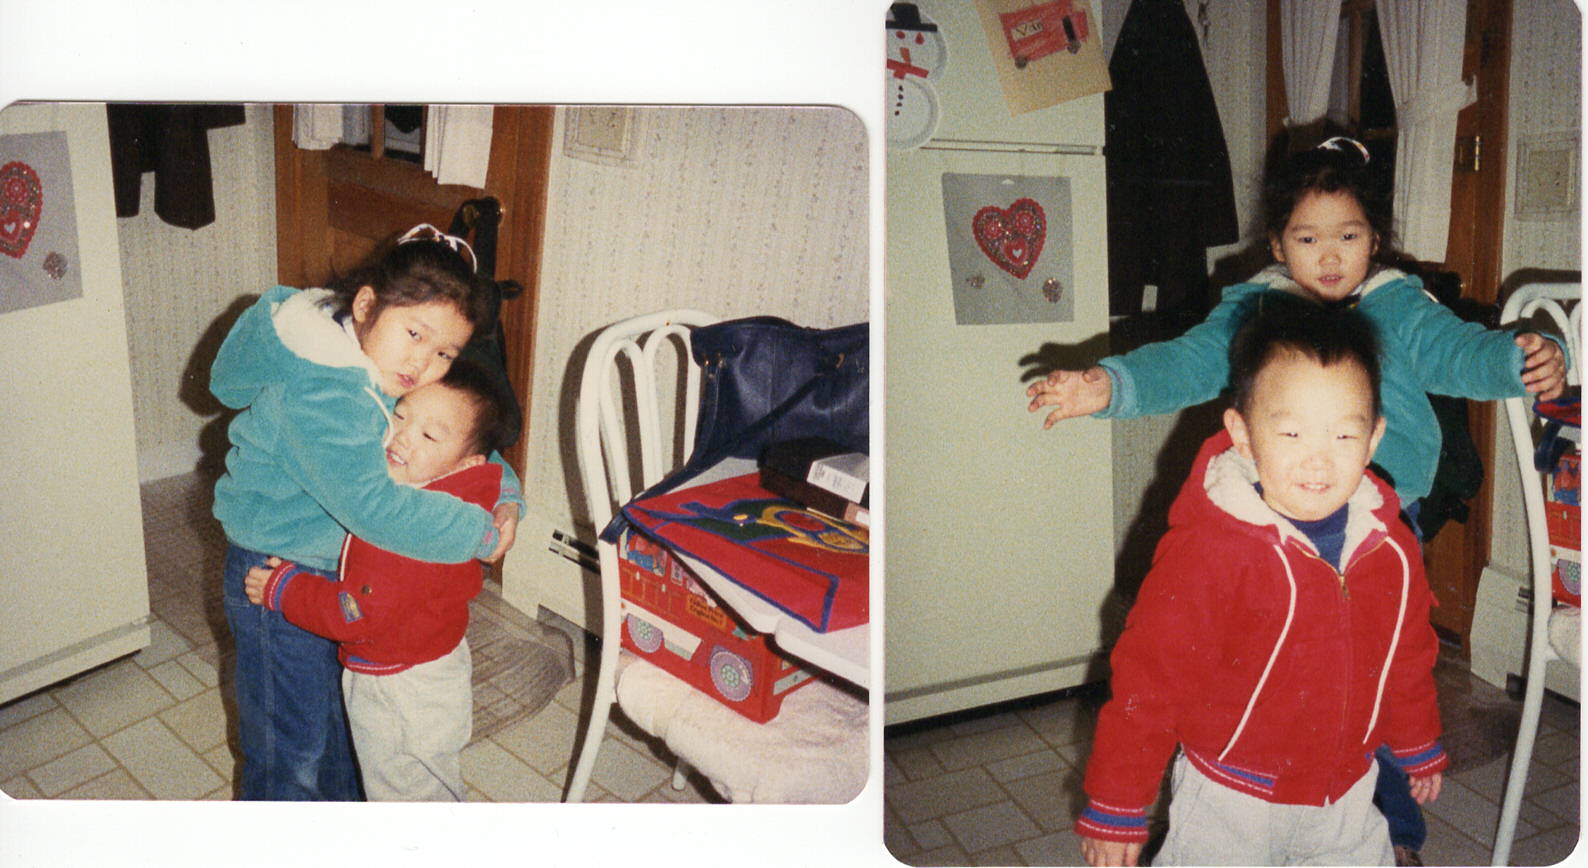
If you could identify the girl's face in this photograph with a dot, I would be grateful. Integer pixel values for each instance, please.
(1328, 244)
(411, 345)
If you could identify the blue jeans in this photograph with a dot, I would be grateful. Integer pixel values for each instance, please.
(1393, 795)
(291, 724)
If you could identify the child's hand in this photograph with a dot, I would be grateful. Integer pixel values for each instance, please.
(1071, 394)
(1544, 368)
(505, 517)
(1100, 852)
(1425, 788)
(254, 582)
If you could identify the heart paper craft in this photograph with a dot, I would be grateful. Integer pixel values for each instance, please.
(21, 201)
(1012, 237)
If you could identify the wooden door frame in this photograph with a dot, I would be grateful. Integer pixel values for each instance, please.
(520, 158)
(1474, 251)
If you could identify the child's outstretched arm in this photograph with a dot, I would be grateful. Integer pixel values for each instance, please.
(1100, 852)
(1543, 366)
(1071, 394)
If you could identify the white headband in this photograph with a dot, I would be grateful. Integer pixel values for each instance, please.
(1339, 143)
(426, 232)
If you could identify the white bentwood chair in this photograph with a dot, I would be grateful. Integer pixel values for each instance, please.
(639, 396)
(605, 446)
(1560, 302)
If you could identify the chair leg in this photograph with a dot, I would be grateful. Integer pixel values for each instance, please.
(1527, 732)
(680, 773)
(595, 730)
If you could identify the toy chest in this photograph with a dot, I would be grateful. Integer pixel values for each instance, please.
(672, 621)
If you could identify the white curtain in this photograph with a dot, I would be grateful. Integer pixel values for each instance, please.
(1423, 44)
(1309, 29)
(316, 126)
(458, 143)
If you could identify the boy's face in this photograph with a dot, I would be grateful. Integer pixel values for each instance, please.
(431, 435)
(1311, 432)
(1328, 244)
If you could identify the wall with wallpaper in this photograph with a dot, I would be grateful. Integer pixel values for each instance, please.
(736, 211)
(178, 282)
(1545, 104)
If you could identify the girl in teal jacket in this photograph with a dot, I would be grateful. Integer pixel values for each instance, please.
(315, 373)
(1324, 242)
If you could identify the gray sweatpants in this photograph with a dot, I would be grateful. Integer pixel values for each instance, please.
(410, 728)
(1211, 824)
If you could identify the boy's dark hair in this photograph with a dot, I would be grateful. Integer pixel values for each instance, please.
(1277, 322)
(1319, 163)
(495, 427)
(418, 272)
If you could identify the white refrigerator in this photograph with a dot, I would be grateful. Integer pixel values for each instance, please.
(999, 535)
(74, 592)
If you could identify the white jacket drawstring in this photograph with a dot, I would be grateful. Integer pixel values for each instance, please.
(1290, 613)
(1395, 638)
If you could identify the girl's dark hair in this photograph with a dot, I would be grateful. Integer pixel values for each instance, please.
(495, 427)
(421, 271)
(1279, 321)
(1303, 164)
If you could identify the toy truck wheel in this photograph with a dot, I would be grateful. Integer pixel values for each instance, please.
(646, 636)
(730, 674)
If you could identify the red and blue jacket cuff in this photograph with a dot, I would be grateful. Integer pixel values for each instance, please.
(1112, 823)
(276, 585)
(1424, 759)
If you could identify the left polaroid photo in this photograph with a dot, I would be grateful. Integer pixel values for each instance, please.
(427, 448)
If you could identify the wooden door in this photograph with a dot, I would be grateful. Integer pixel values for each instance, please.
(334, 207)
(1456, 556)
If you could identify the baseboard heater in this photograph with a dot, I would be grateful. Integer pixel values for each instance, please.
(567, 545)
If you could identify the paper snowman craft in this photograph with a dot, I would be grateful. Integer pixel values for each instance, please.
(916, 56)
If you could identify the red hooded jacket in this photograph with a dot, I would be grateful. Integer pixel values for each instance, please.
(1277, 675)
(389, 612)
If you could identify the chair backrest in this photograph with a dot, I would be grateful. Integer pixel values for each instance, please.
(621, 407)
(1561, 303)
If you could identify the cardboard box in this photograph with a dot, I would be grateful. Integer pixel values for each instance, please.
(674, 622)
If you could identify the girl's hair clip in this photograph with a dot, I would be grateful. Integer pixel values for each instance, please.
(426, 232)
(1341, 143)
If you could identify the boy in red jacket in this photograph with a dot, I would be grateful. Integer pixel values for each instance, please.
(401, 622)
(1282, 634)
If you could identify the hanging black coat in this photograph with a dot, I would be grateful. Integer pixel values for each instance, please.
(1170, 196)
(173, 142)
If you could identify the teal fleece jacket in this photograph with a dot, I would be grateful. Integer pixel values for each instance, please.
(306, 465)
(1423, 346)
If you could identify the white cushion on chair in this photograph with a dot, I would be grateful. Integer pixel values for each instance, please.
(1565, 634)
(813, 752)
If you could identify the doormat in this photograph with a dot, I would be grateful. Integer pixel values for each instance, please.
(519, 665)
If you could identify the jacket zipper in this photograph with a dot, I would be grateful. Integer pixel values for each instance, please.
(1345, 597)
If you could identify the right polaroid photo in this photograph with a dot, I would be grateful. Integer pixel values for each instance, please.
(1232, 414)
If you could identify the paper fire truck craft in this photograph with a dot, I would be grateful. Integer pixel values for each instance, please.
(810, 567)
(1046, 28)
(671, 620)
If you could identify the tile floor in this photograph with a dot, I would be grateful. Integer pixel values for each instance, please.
(156, 725)
(1003, 787)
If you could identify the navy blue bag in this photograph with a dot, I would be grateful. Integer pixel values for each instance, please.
(764, 380)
